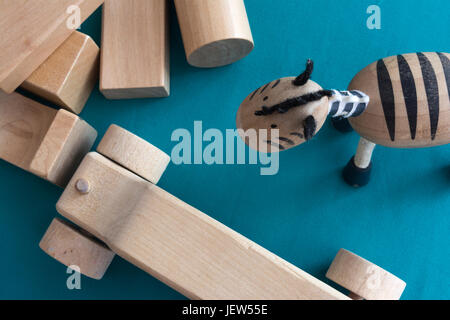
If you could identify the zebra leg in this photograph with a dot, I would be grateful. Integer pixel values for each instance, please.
(357, 171)
(341, 124)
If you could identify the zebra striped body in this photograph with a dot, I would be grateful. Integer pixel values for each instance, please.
(409, 100)
(348, 103)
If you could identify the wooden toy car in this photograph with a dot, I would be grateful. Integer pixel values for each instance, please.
(114, 199)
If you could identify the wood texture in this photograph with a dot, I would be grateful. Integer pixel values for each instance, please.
(364, 278)
(409, 100)
(291, 125)
(42, 140)
(181, 246)
(215, 33)
(35, 29)
(73, 247)
(135, 49)
(69, 75)
(133, 153)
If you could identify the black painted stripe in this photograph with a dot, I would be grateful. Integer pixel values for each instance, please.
(349, 107)
(432, 90)
(446, 65)
(287, 140)
(297, 134)
(409, 93)
(265, 87)
(334, 108)
(387, 97)
(253, 94)
(360, 108)
(279, 146)
(344, 93)
(276, 83)
(356, 93)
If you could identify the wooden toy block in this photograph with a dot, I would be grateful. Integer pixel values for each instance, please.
(65, 242)
(42, 140)
(400, 102)
(364, 279)
(35, 29)
(135, 49)
(69, 75)
(176, 243)
(215, 33)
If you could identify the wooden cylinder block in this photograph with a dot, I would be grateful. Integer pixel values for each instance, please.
(74, 247)
(363, 278)
(69, 75)
(133, 153)
(215, 33)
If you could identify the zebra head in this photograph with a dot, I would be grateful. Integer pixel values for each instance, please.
(290, 111)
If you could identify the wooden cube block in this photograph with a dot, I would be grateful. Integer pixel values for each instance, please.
(135, 49)
(68, 76)
(33, 30)
(42, 140)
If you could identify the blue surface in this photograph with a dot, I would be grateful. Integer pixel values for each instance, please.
(306, 212)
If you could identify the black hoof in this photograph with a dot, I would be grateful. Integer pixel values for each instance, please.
(354, 176)
(341, 124)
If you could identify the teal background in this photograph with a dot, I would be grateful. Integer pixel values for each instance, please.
(306, 212)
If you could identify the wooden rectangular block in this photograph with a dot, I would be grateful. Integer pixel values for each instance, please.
(69, 75)
(31, 31)
(135, 49)
(176, 243)
(42, 140)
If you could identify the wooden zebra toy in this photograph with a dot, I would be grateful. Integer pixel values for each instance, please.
(399, 102)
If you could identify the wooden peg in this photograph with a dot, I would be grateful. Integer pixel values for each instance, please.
(35, 29)
(364, 279)
(74, 247)
(42, 140)
(183, 247)
(215, 33)
(135, 49)
(69, 75)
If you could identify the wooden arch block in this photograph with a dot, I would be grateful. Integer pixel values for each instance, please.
(74, 247)
(42, 140)
(69, 75)
(215, 33)
(35, 29)
(363, 278)
(135, 49)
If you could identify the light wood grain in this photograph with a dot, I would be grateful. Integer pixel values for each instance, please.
(372, 124)
(135, 49)
(215, 33)
(73, 247)
(42, 140)
(290, 125)
(181, 246)
(69, 75)
(33, 30)
(363, 278)
(133, 153)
